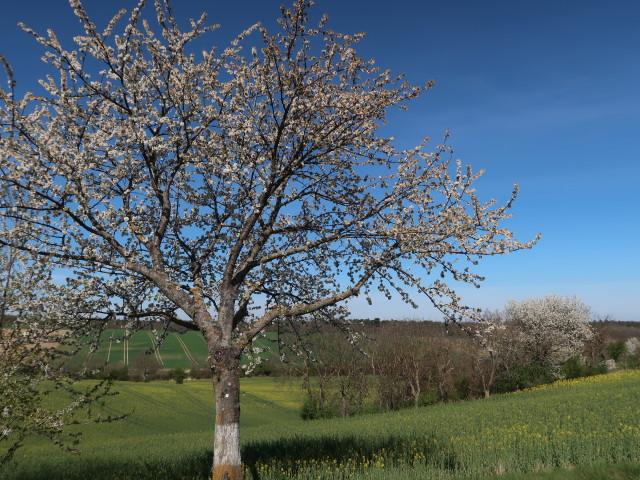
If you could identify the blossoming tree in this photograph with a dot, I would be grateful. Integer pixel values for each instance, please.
(40, 323)
(236, 186)
(548, 330)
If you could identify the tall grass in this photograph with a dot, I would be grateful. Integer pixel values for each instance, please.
(168, 436)
(579, 422)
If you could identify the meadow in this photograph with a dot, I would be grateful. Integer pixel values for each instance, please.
(567, 425)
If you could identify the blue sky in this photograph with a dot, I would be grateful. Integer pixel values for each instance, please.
(541, 93)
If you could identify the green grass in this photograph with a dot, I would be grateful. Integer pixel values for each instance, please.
(170, 430)
(593, 472)
(196, 346)
(554, 432)
(630, 471)
(178, 350)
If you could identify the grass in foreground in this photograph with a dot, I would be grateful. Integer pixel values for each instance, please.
(593, 421)
(629, 471)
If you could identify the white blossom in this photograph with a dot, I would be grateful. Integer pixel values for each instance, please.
(222, 181)
(550, 329)
(633, 346)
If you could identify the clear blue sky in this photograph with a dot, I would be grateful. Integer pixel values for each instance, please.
(543, 93)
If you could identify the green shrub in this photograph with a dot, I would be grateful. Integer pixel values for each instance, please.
(521, 376)
(115, 372)
(178, 374)
(574, 368)
(429, 398)
(616, 349)
(312, 409)
(461, 387)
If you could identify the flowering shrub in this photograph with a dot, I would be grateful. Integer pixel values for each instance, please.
(550, 330)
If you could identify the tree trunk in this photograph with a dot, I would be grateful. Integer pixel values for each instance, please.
(226, 445)
(415, 388)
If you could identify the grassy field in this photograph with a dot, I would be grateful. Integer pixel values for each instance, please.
(177, 350)
(569, 425)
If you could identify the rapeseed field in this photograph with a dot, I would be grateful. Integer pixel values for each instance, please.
(568, 424)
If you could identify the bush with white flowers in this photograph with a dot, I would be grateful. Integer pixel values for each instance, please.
(550, 330)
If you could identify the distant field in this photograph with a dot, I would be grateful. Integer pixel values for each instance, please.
(593, 421)
(177, 350)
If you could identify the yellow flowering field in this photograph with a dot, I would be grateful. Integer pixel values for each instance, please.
(168, 435)
(569, 423)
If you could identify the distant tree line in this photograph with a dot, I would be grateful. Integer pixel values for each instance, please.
(394, 364)
(399, 364)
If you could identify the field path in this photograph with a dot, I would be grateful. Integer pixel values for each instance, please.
(109, 351)
(85, 364)
(192, 360)
(156, 350)
(126, 351)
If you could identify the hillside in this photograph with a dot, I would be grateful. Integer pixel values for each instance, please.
(168, 435)
(177, 350)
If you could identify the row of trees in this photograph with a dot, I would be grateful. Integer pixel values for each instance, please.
(418, 363)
